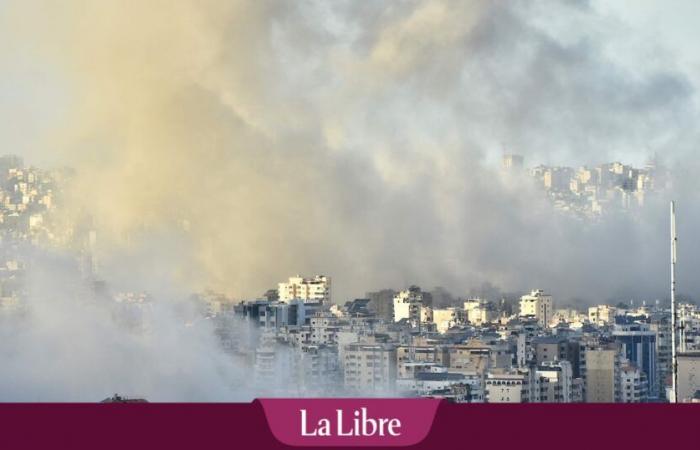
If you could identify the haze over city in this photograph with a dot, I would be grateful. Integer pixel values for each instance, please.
(218, 146)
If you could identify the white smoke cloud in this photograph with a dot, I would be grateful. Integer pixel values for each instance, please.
(67, 344)
(357, 139)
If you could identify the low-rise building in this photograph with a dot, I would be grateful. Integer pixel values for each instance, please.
(507, 386)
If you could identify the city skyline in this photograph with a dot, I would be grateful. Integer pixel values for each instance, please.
(625, 193)
(206, 200)
(340, 144)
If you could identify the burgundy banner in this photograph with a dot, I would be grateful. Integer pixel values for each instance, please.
(222, 426)
(350, 422)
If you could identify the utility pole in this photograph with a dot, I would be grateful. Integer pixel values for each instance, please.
(674, 356)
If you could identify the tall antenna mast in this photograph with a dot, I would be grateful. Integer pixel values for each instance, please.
(674, 356)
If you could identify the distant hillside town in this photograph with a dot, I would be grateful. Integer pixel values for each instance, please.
(298, 340)
(591, 192)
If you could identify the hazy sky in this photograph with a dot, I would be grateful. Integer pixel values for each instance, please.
(670, 24)
(231, 144)
(33, 96)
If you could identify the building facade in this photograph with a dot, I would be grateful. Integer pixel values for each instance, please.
(602, 375)
(314, 289)
(369, 368)
(538, 305)
(688, 375)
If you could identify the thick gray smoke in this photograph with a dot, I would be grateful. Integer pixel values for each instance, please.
(359, 139)
(69, 343)
(231, 144)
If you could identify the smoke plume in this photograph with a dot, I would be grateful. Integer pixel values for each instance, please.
(231, 144)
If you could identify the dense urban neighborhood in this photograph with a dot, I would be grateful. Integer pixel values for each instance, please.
(299, 340)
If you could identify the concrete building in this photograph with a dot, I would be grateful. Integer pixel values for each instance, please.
(446, 318)
(602, 375)
(315, 369)
(689, 318)
(537, 305)
(421, 353)
(412, 359)
(558, 348)
(557, 178)
(407, 370)
(272, 314)
(639, 347)
(577, 390)
(382, 303)
(688, 375)
(324, 329)
(315, 289)
(512, 161)
(633, 384)
(549, 348)
(475, 355)
(661, 324)
(511, 386)
(569, 317)
(273, 367)
(432, 379)
(479, 312)
(506, 387)
(411, 305)
(369, 368)
(601, 315)
(556, 382)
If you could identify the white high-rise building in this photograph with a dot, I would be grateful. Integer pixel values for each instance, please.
(310, 290)
(537, 304)
(556, 382)
(633, 384)
(409, 304)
